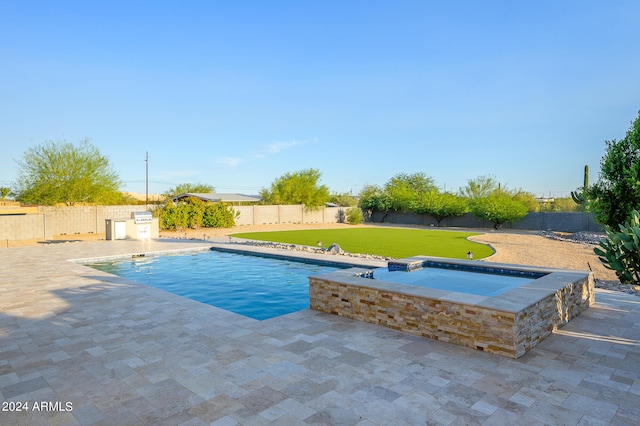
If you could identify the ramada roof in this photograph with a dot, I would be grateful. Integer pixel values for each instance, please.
(217, 197)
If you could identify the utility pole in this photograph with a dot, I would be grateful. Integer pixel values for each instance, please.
(146, 160)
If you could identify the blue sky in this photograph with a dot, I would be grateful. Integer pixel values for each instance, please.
(237, 93)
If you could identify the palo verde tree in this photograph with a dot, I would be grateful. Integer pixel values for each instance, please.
(440, 205)
(616, 194)
(344, 200)
(300, 187)
(489, 200)
(499, 207)
(482, 186)
(374, 198)
(405, 188)
(61, 172)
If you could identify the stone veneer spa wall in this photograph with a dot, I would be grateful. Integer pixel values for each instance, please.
(509, 324)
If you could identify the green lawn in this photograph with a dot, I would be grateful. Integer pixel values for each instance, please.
(390, 242)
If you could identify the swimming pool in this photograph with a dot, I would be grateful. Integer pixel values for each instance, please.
(253, 286)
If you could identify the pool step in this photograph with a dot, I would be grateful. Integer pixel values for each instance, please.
(409, 264)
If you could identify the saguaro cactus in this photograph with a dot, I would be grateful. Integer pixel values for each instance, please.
(580, 196)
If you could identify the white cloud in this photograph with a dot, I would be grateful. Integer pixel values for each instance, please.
(231, 161)
(274, 148)
(268, 150)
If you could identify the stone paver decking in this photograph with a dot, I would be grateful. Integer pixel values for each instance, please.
(99, 349)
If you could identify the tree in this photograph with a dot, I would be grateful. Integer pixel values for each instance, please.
(300, 187)
(617, 192)
(482, 186)
(343, 200)
(61, 172)
(373, 198)
(562, 204)
(526, 198)
(405, 188)
(499, 207)
(189, 188)
(440, 205)
(4, 193)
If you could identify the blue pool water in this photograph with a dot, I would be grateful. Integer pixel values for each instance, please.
(482, 284)
(253, 286)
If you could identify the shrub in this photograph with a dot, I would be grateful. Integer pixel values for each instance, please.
(194, 213)
(219, 215)
(354, 216)
(621, 250)
(167, 215)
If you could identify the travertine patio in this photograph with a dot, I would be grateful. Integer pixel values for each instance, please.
(123, 353)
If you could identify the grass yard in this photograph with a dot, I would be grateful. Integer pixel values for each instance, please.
(390, 242)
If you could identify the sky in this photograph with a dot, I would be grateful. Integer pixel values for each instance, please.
(235, 94)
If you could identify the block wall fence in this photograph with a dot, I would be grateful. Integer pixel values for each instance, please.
(537, 221)
(63, 220)
(50, 221)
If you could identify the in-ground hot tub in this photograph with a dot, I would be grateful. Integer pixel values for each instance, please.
(508, 321)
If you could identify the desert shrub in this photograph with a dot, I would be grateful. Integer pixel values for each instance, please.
(354, 216)
(167, 215)
(219, 215)
(621, 250)
(195, 212)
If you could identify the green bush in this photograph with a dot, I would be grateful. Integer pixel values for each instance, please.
(621, 250)
(354, 216)
(219, 215)
(167, 215)
(194, 213)
(617, 192)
